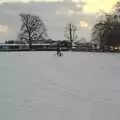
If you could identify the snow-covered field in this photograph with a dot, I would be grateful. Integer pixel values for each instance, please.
(42, 86)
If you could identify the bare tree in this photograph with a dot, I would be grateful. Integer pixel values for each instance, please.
(32, 28)
(71, 33)
(105, 32)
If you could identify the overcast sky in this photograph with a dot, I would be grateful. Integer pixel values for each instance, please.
(55, 14)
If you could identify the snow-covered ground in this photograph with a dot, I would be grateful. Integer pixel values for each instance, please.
(42, 86)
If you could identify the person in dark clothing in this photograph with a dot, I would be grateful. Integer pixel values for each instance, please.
(58, 50)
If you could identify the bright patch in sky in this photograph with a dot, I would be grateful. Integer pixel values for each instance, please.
(3, 28)
(83, 24)
(93, 6)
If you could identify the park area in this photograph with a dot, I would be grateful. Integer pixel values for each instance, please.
(43, 86)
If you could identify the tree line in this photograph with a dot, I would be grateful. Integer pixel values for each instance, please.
(106, 32)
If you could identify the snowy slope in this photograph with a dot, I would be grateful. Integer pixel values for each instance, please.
(42, 86)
